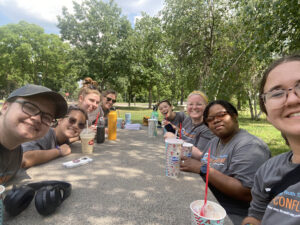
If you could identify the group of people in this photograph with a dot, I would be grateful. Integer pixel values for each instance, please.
(252, 187)
(37, 125)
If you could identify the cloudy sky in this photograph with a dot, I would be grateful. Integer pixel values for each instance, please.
(44, 12)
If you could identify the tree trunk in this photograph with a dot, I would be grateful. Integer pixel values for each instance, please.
(150, 98)
(255, 108)
(250, 106)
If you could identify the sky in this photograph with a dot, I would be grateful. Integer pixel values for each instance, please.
(44, 12)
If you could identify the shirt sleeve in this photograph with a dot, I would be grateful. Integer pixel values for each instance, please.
(260, 198)
(245, 162)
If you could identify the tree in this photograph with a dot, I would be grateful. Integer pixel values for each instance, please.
(97, 30)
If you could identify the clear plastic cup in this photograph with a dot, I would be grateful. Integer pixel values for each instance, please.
(87, 141)
(214, 213)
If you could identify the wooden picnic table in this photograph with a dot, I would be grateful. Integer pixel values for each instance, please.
(125, 184)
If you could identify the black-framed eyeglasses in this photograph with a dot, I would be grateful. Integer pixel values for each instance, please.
(277, 97)
(110, 99)
(73, 121)
(219, 115)
(33, 110)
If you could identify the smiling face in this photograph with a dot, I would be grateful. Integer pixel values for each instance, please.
(195, 108)
(89, 102)
(222, 124)
(165, 109)
(108, 101)
(287, 117)
(72, 124)
(20, 126)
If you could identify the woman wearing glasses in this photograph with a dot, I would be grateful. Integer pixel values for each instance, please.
(275, 194)
(26, 115)
(235, 157)
(193, 129)
(56, 142)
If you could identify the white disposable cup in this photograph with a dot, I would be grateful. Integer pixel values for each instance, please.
(87, 141)
(173, 149)
(186, 149)
(214, 214)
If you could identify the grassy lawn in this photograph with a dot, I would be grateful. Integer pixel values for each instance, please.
(261, 128)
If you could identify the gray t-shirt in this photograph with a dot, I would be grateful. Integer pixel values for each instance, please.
(10, 162)
(198, 135)
(45, 143)
(239, 158)
(179, 118)
(284, 208)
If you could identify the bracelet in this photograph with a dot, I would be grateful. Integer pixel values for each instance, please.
(59, 149)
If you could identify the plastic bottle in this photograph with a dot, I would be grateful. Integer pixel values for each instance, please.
(112, 125)
(154, 114)
(100, 130)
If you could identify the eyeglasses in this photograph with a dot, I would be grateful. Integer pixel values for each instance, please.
(276, 98)
(110, 99)
(33, 110)
(73, 121)
(219, 115)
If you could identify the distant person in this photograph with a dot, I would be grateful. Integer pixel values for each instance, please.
(89, 98)
(26, 115)
(56, 142)
(194, 130)
(235, 157)
(172, 120)
(275, 193)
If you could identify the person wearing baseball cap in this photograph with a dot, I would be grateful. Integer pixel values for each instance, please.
(26, 115)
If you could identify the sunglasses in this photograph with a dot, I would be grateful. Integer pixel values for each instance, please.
(218, 116)
(73, 121)
(110, 99)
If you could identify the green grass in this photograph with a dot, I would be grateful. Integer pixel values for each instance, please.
(260, 128)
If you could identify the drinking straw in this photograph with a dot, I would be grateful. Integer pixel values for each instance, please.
(180, 127)
(202, 211)
(97, 118)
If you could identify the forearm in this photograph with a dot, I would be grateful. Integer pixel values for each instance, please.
(35, 157)
(229, 185)
(251, 220)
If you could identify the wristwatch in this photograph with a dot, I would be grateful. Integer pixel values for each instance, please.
(203, 170)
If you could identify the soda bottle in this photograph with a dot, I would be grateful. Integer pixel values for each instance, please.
(112, 125)
(100, 131)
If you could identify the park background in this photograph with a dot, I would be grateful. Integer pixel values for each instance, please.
(221, 47)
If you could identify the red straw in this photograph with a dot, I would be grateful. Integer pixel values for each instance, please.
(180, 127)
(202, 211)
(97, 118)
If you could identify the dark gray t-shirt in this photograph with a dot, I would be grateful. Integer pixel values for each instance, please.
(179, 118)
(198, 135)
(284, 208)
(45, 143)
(239, 158)
(10, 162)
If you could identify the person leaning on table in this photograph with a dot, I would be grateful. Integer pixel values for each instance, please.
(276, 189)
(235, 157)
(194, 130)
(26, 115)
(56, 142)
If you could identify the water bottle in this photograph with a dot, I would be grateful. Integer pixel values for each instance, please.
(112, 125)
(100, 131)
